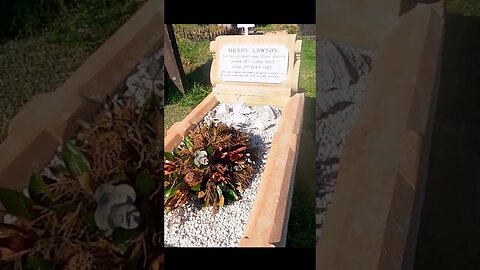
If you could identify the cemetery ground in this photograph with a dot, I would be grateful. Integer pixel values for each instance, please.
(196, 60)
(449, 234)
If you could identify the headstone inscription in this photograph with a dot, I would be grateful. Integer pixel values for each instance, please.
(254, 63)
(255, 69)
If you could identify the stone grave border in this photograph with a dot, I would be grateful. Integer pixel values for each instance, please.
(373, 220)
(268, 219)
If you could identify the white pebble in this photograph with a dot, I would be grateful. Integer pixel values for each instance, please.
(333, 87)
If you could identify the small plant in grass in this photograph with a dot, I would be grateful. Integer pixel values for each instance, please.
(98, 207)
(212, 165)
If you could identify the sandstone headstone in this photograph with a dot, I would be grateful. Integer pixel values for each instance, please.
(256, 69)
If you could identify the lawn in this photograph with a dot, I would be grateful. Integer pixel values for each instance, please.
(41, 56)
(196, 60)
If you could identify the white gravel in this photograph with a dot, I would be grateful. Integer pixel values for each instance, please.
(342, 74)
(191, 226)
(149, 74)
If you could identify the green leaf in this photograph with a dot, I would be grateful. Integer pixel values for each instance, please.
(38, 189)
(188, 143)
(233, 194)
(89, 219)
(75, 160)
(230, 195)
(121, 235)
(197, 187)
(37, 263)
(209, 150)
(219, 191)
(16, 203)
(176, 152)
(169, 156)
(168, 193)
(223, 187)
(171, 191)
(144, 182)
(59, 168)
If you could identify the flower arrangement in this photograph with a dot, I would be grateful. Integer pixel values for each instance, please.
(96, 207)
(211, 165)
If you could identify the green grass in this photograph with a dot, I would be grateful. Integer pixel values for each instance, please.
(88, 23)
(308, 67)
(41, 59)
(82, 21)
(194, 53)
(196, 58)
(464, 7)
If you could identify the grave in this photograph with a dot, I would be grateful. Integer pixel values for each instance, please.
(257, 73)
(371, 215)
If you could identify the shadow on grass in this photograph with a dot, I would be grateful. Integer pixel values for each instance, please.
(200, 75)
(197, 86)
(449, 235)
(196, 83)
(301, 225)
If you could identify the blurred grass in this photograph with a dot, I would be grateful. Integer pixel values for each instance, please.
(41, 59)
(464, 7)
(196, 59)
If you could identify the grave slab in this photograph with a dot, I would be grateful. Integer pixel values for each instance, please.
(258, 70)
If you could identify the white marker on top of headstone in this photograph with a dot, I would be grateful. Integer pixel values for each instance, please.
(245, 27)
